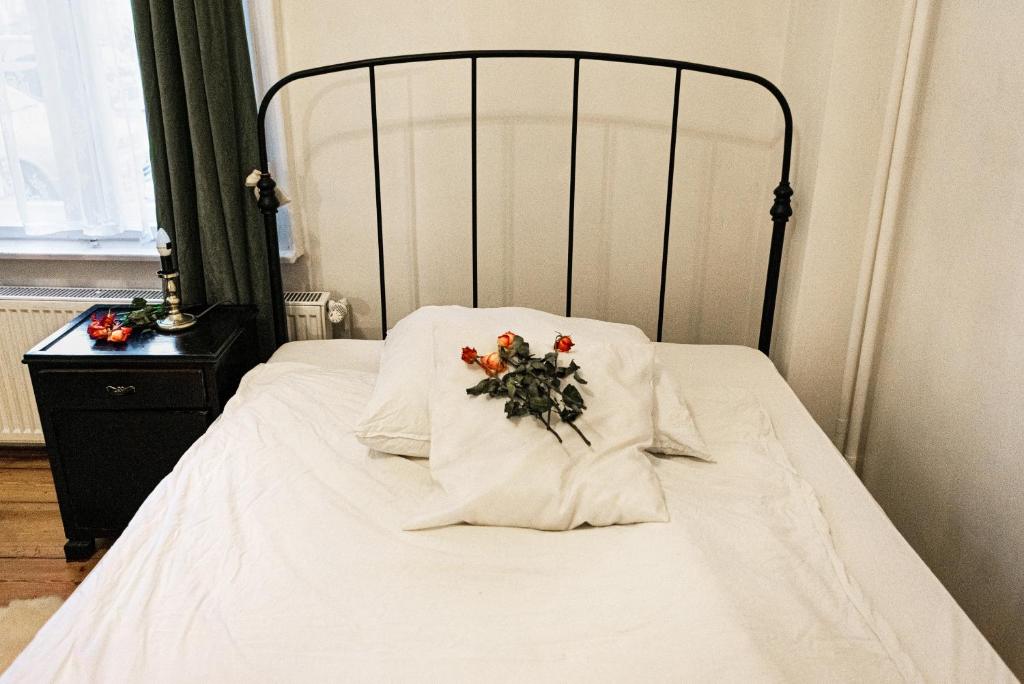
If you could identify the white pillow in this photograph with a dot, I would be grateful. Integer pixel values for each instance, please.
(396, 420)
(495, 471)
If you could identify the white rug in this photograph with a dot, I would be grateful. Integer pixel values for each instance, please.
(19, 622)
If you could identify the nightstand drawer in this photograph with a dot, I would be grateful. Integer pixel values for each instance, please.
(116, 389)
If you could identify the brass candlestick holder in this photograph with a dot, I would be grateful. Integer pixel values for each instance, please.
(175, 320)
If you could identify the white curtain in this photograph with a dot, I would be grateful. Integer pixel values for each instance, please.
(75, 158)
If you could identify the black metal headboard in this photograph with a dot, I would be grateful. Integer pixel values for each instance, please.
(780, 211)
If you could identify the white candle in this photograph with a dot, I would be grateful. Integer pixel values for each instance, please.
(163, 247)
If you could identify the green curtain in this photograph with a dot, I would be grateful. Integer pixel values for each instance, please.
(201, 116)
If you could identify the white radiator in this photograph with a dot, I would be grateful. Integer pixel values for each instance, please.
(28, 314)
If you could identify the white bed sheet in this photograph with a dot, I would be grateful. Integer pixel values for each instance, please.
(943, 643)
(274, 552)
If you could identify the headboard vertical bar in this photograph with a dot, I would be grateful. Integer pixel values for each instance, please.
(380, 219)
(572, 181)
(668, 203)
(472, 70)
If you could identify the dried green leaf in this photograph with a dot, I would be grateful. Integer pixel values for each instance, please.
(479, 388)
(572, 397)
(540, 404)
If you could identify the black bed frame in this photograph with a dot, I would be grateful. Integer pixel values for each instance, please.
(780, 211)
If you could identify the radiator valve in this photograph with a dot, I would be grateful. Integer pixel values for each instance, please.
(337, 310)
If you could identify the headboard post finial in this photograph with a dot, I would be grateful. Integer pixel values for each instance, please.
(782, 209)
(267, 201)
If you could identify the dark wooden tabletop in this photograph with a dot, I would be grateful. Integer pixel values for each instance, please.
(206, 340)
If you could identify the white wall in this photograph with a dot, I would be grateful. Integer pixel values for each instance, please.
(113, 274)
(945, 438)
(839, 68)
(105, 274)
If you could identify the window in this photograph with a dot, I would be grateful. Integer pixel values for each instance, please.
(75, 173)
(74, 154)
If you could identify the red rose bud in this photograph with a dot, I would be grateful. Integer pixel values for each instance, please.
(468, 354)
(98, 331)
(563, 343)
(506, 339)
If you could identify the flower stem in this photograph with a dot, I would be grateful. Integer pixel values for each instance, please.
(547, 426)
(582, 436)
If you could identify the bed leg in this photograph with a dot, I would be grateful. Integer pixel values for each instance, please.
(79, 549)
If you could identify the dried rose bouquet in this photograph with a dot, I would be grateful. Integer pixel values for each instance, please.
(534, 385)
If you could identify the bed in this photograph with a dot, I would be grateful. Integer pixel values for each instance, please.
(275, 550)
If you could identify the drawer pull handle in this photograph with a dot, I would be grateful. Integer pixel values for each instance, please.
(120, 390)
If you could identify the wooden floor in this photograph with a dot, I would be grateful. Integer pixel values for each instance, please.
(31, 536)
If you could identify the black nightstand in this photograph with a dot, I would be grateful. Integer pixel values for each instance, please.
(117, 418)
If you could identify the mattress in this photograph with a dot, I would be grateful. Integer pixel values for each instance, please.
(274, 552)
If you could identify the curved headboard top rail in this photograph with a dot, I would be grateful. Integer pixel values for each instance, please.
(780, 212)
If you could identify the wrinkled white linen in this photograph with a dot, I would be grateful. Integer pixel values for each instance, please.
(274, 552)
(894, 583)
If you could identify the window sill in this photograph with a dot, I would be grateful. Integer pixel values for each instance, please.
(77, 250)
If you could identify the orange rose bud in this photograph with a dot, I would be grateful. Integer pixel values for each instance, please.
(506, 339)
(468, 354)
(492, 363)
(119, 335)
(563, 343)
